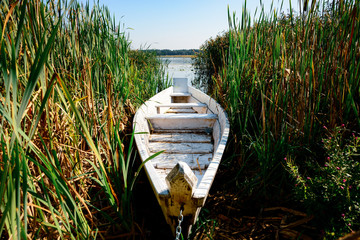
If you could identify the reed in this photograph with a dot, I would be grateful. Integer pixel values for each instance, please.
(69, 87)
(284, 79)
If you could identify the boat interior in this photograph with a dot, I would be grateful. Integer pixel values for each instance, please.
(184, 129)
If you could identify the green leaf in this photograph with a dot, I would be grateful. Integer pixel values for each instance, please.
(35, 72)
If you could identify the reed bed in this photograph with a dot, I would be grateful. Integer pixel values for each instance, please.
(287, 82)
(69, 87)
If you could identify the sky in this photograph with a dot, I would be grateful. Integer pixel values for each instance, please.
(179, 24)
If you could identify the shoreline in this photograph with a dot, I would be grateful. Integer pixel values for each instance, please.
(177, 56)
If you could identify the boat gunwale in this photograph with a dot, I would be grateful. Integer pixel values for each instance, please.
(202, 191)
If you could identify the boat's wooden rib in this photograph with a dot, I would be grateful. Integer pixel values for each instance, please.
(192, 129)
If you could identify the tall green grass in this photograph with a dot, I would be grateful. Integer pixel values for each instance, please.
(285, 77)
(69, 86)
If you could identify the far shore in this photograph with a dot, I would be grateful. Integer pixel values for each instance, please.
(177, 56)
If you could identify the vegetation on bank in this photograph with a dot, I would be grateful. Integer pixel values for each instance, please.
(290, 85)
(69, 88)
(168, 52)
(210, 61)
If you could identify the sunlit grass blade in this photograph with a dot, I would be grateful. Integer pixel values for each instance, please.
(35, 72)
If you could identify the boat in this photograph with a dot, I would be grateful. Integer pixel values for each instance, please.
(186, 131)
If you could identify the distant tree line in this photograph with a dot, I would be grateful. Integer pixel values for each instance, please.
(160, 52)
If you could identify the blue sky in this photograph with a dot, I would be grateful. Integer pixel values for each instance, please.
(179, 24)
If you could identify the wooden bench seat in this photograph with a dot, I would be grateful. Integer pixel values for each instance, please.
(203, 131)
(181, 110)
(180, 105)
(182, 121)
(180, 94)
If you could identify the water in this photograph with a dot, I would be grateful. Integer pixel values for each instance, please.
(180, 67)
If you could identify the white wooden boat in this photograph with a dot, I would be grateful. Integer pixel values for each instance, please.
(192, 129)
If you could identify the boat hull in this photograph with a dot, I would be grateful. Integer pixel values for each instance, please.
(192, 132)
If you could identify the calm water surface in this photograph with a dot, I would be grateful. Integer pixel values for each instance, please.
(179, 67)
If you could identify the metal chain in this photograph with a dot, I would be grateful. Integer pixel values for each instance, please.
(178, 228)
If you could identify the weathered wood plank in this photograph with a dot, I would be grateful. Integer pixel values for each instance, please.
(181, 105)
(171, 165)
(203, 131)
(183, 116)
(171, 158)
(181, 110)
(180, 94)
(190, 159)
(182, 121)
(180, 137)
(193, 160)
(183, 148)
